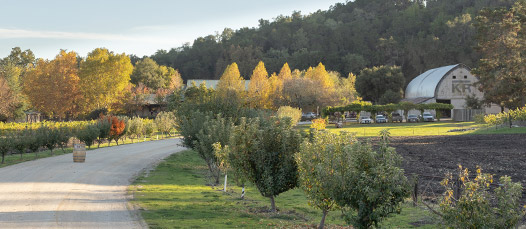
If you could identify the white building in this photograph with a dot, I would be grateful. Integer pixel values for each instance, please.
(449, 84)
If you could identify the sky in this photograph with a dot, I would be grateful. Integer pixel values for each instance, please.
(131, 26)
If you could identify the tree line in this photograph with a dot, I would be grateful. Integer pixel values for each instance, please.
(414, 34)
(69, 86)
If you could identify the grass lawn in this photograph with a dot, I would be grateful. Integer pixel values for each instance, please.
(175, 195)
(420, 128)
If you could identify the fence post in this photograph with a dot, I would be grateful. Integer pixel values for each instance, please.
(456, 192)
(415, 191)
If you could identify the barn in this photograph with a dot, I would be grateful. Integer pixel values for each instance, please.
(448, 84)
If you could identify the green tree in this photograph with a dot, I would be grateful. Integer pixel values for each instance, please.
(165, 121)
(153, 76)
(501, 36)
(317, 168)
(269, 146)
(104, 77)
(373, 83)
(372, 184)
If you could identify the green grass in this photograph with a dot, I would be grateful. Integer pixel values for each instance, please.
(175, 195)
(419, 129)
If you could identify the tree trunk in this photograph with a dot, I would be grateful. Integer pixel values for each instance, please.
(272, 204)
(243, 192)
(224, 187)
(3, 157)
(322, 222)
(51, 152)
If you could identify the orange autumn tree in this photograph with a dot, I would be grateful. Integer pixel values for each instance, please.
(52, 87)
(117, 127)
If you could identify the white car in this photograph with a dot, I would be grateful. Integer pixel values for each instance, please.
(428, 117)
(381, 119)
(309, 115)
(365, 120)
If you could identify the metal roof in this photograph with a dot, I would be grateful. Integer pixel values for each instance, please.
(426, 83)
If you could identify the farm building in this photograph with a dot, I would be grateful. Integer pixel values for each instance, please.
(448, 84)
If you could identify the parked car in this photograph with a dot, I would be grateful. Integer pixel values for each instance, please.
(365, 120)
(309, 115)
(381, 119)
(428, 117)
(412, 118)
(397, 117)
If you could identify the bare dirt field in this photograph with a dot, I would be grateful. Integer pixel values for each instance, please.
(431, 157)
(54, 192)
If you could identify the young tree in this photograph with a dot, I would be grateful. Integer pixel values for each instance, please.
(371, 184)
(58, 82)
(104, 130)
(104, 76)
(51, 138)
(215, 130)
(6, 144)
(165, 121)
(135, 127)
(88, 134)
(317, 168)
(269, 146)
(259, 88)
(117, 127)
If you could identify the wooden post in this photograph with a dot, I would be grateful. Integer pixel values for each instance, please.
(415, 192)
(456, 192)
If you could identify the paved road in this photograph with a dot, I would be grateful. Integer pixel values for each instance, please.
(57, 193)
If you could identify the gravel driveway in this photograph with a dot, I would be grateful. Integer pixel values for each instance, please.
(57, 193)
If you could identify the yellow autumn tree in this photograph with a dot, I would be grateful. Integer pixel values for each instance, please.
(231, 83)
(276, 84)
(52, 87)
(104, 76)
(320, 75)
(259, 88)
(285, 72)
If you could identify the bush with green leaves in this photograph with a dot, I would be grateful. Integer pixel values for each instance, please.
(6, 145)
(21, 142)
(149, 127)
(135, 127)
(477, 206)
(371, 183)
(88, 134)
(104, 127)
(317, 168)
(63, 136)
(51, 137)
(293, 113)
(214, 130)
(165, 122)
(269, 146)
(36, 139)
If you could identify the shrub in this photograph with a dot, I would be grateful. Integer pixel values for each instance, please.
(6, 144)
(21, 142)
(293, 113)
(318, 124)
(51, 138)
(476, 206)
(317, 169)
(35, 140)
(104, 130)
(372, 184)
(269, 146)
(116, 129)
(215, 130)
(88, 134)
(135, 127)
(165, 121)
(149, 127)
(63, 136)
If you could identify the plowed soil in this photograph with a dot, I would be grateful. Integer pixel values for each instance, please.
(431, 157)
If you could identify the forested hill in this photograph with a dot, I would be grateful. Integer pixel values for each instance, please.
(414, 34)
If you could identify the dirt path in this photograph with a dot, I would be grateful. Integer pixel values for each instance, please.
(57, 193)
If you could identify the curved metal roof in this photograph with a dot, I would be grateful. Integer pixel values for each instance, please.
(426, 83)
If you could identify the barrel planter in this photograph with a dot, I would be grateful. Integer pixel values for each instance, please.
(79, 152)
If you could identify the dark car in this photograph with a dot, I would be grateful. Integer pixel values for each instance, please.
(413, 118)
(397, 117)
